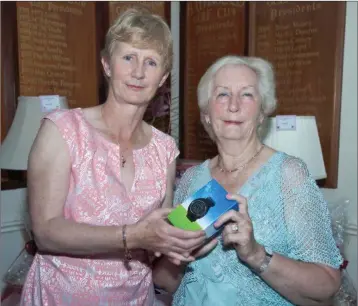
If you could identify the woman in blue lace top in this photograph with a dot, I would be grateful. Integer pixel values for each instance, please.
(279, 248)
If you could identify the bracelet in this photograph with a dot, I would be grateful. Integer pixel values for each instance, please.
(127, 252)
(266, 262)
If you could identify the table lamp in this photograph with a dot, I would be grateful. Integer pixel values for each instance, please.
(297, 136)
(15, 149)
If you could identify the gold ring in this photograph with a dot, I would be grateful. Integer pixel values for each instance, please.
(235, 227)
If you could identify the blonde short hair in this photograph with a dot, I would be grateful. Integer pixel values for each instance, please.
(143, 30)
(266, 84)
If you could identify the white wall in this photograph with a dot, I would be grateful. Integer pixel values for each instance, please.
(347, 173)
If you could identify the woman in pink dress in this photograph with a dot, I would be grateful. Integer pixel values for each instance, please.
(100, 183)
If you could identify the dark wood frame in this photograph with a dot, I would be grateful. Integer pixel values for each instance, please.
(182, 61)
(332, 170)
(9, 65)
(102, 24)
(9, 86)
(332, 177)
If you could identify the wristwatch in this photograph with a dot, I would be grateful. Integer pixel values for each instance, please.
(198, 208)
(267, 260)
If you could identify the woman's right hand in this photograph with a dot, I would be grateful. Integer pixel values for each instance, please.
(154, 233)
(205, 249)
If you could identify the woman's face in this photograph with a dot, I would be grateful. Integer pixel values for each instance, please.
(134, 74)
(234, 108)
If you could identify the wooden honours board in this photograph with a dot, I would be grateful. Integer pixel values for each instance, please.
(210, 30)
(57, 51)
(304, 42)
(160, 8)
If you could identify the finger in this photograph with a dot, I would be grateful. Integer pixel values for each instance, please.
(159, 213)
(205, 249)
(231, 238)
(179, 257)
(228, 228)
(183, 234)
(177, 262)
(157, 254)
(176, 249)
(242, 202)
(163, 212)
(187, 244)
(231, 215)
(172, 246)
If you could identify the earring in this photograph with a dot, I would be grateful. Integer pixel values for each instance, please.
(208, 121)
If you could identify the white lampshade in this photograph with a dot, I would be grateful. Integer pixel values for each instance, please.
(16, 146)
(299, 140)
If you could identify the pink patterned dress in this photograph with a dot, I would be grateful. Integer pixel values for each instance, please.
(96, 196)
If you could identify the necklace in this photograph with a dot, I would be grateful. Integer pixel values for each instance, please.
(242, 167)
(122, 158)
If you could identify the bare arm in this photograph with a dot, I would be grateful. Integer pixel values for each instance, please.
(169, 192)
(48, 183)
(300, 282)
(167, 275)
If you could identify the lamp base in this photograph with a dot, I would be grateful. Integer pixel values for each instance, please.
(13, 179)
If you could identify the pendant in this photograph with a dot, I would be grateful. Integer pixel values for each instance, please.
(123, 161)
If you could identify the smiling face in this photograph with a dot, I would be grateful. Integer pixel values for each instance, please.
(134, 74)
(234, 108)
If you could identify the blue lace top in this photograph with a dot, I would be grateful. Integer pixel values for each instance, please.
(289, 215)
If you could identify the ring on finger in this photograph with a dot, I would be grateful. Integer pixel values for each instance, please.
(235, 227)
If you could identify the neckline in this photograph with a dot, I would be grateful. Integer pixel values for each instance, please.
(105, 139)
(252, 176)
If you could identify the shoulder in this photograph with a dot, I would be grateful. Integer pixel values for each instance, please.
(161, 137)
(50, 141)
(192, 173)
(195, 169)
(292, 166)
(63, 115)
(164, 145)
(295, 175)
(192, 178)
(67, 127)
(66, 120)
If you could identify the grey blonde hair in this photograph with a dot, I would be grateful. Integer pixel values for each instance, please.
(141, 29)
(266, 85)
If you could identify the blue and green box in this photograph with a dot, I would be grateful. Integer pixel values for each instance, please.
(201, 210)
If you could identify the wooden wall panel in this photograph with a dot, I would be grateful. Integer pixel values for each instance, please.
(209, 30)
(161, 8)
(304, 41)
(57, 50)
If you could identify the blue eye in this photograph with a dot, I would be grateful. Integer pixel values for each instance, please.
(247, 94)
(152, 63)
(222, 94)
(127, 57)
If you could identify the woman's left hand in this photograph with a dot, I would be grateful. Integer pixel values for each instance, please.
(238, 230)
